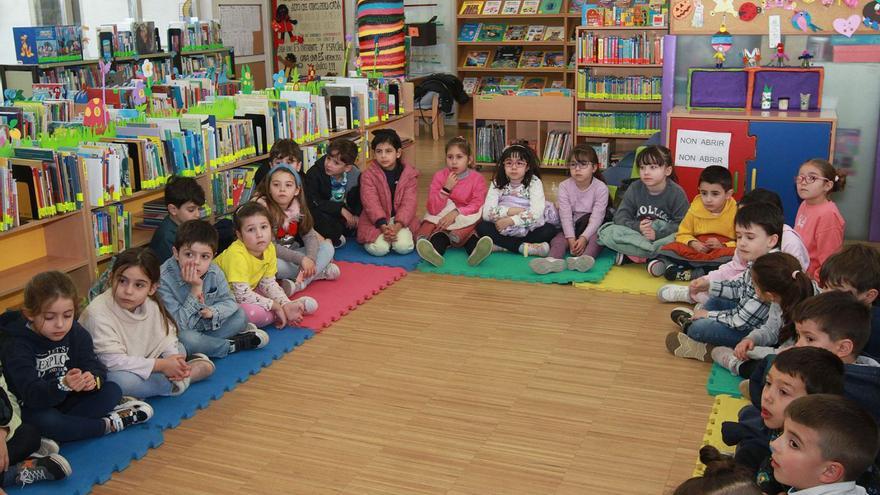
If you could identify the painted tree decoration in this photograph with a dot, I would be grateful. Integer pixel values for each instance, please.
(247, 81)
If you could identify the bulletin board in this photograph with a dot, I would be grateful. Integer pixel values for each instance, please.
(846, 17)
(317, 37)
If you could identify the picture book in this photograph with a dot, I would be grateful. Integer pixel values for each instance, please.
(492, 32)
(470, 85)
(515, 32)
(575, 6)
(557, 84)
(469, 31)
(471, 7)
(476, 59)
(550, 7)
(530, 7)
(492, 7)
(535, 32)
(512, 82)
(506, 57)
(534, 83)
(554, 59)
(490, 84)
(531, 59)
(511, 7)
(554, 33)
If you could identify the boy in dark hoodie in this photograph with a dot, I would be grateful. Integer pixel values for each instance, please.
(51, 366)
(856, 269)
(332, 187)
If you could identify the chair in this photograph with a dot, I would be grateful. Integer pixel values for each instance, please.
(430, 116)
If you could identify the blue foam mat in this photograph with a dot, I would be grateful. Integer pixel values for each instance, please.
(94, 461)
(354, 252)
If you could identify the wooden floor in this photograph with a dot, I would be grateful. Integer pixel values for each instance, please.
(453, 385)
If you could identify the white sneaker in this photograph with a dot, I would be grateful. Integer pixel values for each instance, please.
(725, 357)
(580, 263)
(332, 272)
(674, 293)
(541, 249)
(290, 287)
(308, 304)
(47, 448)
(201, 367)
(543, 266)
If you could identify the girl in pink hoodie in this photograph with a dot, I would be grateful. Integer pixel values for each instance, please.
(818, 221)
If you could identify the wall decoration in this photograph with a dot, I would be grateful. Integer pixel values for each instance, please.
(724, 7)
(721, 43)
(847, 25)
(748, 11)
(871, 14)
(802, 20)
(381, 37)
(682, 9)
(309, 32)
(751, 58)
(747, 17)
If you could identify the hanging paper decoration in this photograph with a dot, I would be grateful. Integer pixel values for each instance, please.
(751, 58)
(139, 95)
(697, 20)
(802, 20)
(748, 11)
(279, 80)
(721, 43)
(847, 25)
(247, 81)
(724, 7)
(871, 14)
(95, 113)
(381, 36)
(682, 9)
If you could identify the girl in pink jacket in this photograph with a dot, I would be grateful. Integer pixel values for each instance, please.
(455, 206)
(389, 193)
(818, 221)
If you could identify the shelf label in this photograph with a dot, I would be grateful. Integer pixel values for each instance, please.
(700, 149)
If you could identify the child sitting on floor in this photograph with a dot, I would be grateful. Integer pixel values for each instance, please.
(455, 206)
(196, 294)
(818, 220)
(723, 476)
(734, 308)
(650, 212)
(332, 188)
(856, 269)
(51, 367)
(705, 237)
(827, 443)
(302, 255)
(250, 266)
(582, 200)
(389, 195)
(135, 337)
(183, 198)
(516, 216)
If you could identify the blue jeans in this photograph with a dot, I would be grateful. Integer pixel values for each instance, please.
(80, 416)
(289, 269)
(714, 332)
(132, 384)
(213, 343)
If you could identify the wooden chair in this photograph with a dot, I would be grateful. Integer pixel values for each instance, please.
(431, 117)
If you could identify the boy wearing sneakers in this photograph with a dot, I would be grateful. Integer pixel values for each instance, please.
(183, 198)
(856, 269)
(827, 443)
(705, 237)
(196, 294)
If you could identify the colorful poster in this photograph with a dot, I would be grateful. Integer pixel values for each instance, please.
(309, 33)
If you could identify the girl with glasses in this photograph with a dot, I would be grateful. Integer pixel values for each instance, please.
(818, 221)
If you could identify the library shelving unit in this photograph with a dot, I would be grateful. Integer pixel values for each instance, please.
(565, 74)
(403, 124)
(624, 140)
(183, 61)
(22, 76)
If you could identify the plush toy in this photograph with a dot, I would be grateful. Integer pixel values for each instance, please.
(806, 58)
(721, 43)
(751, 58)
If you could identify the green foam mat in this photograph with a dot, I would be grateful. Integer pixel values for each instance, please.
(509, 266)
(721, 381)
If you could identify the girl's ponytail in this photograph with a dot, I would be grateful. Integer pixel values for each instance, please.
(781, 274)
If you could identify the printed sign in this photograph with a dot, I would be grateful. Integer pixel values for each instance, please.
(700, 149)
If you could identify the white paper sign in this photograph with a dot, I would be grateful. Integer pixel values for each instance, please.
(774, 30)
(700, 149)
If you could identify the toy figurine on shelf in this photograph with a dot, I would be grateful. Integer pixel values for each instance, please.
(806, 59)
(767, 98)
(780, 57)
(751, 58)
(721, 43)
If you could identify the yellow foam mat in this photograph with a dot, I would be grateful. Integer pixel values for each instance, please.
(629, 279)
(726, 408)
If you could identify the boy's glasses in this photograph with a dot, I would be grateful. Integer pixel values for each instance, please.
(516, 164)
(808, 179)
(574, 165)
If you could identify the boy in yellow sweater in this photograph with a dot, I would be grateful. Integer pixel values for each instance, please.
(706, 237)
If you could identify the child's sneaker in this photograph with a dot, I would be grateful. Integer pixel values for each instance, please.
(247, 340)
(682, 317)
(290, 287)
(332, 272)
(338, 243)
(725, 357)
(50, 468)
(201, 367)
(308, 304)
(129, 414)
(543, 266)
(621, 259)
(47, 448)
(481, 251)
(744, 389)
(677, 272)
(679, 344)
(674, 293)
(580, 263)
(656, 268)
(541, 249)
(429, 253)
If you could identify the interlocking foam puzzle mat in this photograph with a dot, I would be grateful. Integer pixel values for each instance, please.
(629, 279)
(354, 252)
(509, 266)
(336, 298)
(726, 408)
(721, 381)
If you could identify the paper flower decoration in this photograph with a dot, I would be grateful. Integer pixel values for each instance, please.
(279, 80)
(247, 81)
(139, 95)
(147, 68)
(95, 113)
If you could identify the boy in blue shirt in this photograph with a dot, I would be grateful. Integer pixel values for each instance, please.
(196, 294)
(183, 198)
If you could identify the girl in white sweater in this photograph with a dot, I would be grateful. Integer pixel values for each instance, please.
(135, 337)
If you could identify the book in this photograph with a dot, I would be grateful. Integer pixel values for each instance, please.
(554, 33)
(550, 7)
(469, 31)
(471, 84)
(554, 59)
(511, 7)
(557, 84)
(492, 32)
(471, 7)
(506, 57)
(530, 7)
(492, 7)
(476, 58)
(575, 6)
(511, 82)
(534, 83)
(535, 32)
(490, 85)
(531, 59)
(515, 32)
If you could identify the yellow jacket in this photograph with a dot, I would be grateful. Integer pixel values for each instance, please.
(700, 221)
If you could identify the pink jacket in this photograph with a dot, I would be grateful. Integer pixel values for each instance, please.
(377, 201)
(468, 195)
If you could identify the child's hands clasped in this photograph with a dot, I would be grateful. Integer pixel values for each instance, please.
(174, 367)
(79, 381)
(577, 246)
(503, 223)
(741, 351)
(713, 243)
(351, 220)
(447, 219)
(292, 312)
(206, 313)
(698, 246)
(699, 285)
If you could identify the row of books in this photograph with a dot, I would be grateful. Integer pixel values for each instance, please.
(513, 84)
(29, 118)
(108, 170)
(111, 229)
(618, 88)
(510, 7)
(162, 68)
(638, 13)
(634, 123)
(9, 217)
(231, 188)
(155, 211)
(194, 36)
(490, 142)
(557, 147)
(495, 33)
(73, 78)
(200, 64)
(631, 50)
(603, 152)
(511, 57)
(51, 179)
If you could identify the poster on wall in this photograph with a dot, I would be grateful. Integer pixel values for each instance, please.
(309, 33)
